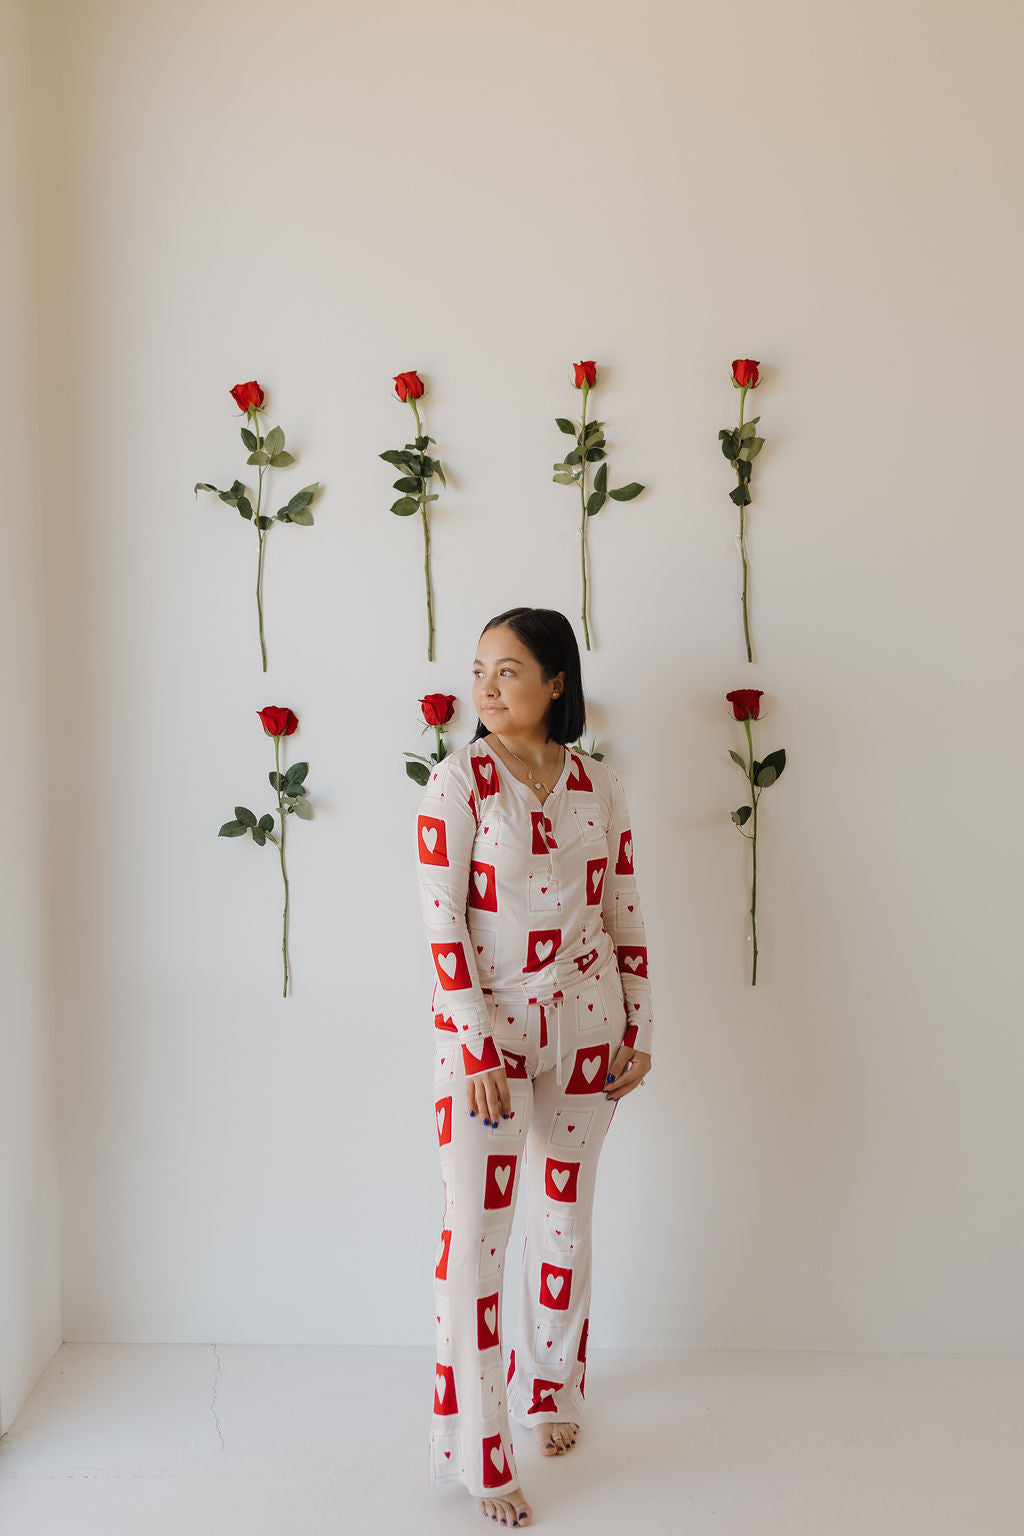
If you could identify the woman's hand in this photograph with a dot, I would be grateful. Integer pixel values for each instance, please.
(628, 1068)
(487, 1095)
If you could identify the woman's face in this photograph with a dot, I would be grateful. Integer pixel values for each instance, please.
(509, 691)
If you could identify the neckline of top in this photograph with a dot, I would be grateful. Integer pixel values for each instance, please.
(528, 788)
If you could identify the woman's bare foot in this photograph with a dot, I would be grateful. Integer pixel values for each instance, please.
(507, 1509)
(556, 1439)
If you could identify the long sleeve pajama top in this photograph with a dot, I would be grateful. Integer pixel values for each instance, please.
(521, 901)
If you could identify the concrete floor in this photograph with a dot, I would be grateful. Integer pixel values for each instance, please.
(237, 1440)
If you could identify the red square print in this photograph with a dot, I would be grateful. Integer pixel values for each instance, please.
(560, 1179)
(589, 1070)
(511, 1368)
(500, 1181)
(497, 1471)
(632, 959)
(450, 963)
(555, 1285)
(487, 1061)
(543, 1402)
(441, 1269)
(482, 891)
(581, 1353)
(444, 1390)
(542, 832)
(485, 771)
(584, 962)
(440, 1022)
(624, 862)
(629, 1038)
(431, 840)
(515, 1065)
(487, 1322)
(578, 779)
(595, 881)
(541, 948)
(443, 1111)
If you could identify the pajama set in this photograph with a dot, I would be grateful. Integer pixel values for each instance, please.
(539, 949)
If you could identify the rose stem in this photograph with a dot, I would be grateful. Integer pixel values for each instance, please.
(583, 512)
(753, 885)
(743, 547)
(284, 873)
(426, 545)
(259, 535)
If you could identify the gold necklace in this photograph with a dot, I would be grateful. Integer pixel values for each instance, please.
(537, 783)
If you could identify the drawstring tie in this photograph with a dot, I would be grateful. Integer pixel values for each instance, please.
(554, 1002)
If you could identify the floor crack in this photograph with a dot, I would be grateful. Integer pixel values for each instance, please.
(213, 1405)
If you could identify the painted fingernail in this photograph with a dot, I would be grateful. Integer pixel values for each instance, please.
(610, 1078)
(472, 1114)
(486, 1121)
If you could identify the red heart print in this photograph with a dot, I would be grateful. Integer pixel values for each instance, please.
(591, 1007)
(629, 909)
(510, 1018)
(448, 1454)
(570, 1129)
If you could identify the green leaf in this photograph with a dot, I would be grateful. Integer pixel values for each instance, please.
(776, 761)
(303, 516)
(259, 837)
(301, 498)
(751, 449)
(303, 810)
(249, 439)
(747, 429)
(232, 829)
(601, 479)
(431, 498)
(244, 509)
(742, 815)
(409, 483)
(421, 442)
(296, 773)
(730, 443)
(595, 501)
(245, 816)
(399, 460)
(593, 429)
(574, 457)
(284, 516)
(265, 523)
(593, 454)
(738, 760)
(276, 779)
(598, 757)
(201, 485)
(405, 506)
(418, 771)
(626, 492)
(260, 457)
(765, 777)
(563, 479)
(266, 822)
(565, 425)
(282, 460)
(440, 476)
(741, 496)
(274, 442)
(294, 791)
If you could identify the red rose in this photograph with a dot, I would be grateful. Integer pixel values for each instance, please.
(586, 373)
(746, 702)
(248, 396)
(278, 721)
(744, 373)
(408, 385)
(438, 708)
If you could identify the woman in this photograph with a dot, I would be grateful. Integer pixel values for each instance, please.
(542, 1017)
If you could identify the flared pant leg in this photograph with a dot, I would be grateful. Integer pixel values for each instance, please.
(566, 1133)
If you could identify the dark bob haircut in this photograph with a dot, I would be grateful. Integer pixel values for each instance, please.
(548, 636)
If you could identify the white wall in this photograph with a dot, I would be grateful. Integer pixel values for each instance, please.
(321, 197)
(30, 1322)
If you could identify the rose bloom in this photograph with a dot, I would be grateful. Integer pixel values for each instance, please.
(585, 373)
(408, 385)
(278, 721)
(744, 373)
(746, 702)
(248, 396)
(438, 708)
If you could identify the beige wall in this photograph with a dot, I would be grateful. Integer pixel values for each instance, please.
(320, 197)
(30, 1323)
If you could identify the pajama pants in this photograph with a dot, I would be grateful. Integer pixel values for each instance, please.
(556, 1056)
